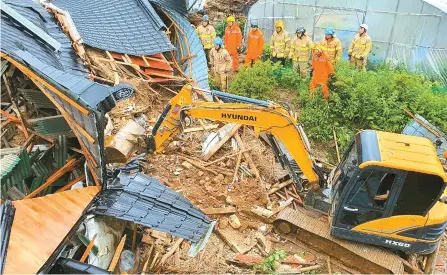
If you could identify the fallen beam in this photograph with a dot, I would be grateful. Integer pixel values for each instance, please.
(219, 210)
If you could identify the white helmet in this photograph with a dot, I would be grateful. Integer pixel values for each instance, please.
(364, 26)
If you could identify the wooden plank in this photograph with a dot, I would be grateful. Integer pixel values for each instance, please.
(50, 140)
(224, 139)
(14, 105)
(117, 254)
(71, 183)
(278, 187)
(198, 165)
(219, 210)
(196, 129)
(248, 157)
(88, 249)
(170, 252)
(70, 165)
(40, 225)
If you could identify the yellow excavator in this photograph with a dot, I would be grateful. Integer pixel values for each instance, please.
(388, 191)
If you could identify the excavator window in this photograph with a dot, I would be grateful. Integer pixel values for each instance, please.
(419, 193)
(368, 198)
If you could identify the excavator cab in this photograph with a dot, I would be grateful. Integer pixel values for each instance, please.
(386, 192)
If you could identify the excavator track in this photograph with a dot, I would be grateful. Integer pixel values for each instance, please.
(316, 234)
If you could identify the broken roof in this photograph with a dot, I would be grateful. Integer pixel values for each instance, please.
(144, 200)
(176, 5)
(131, 27)
(14, 37)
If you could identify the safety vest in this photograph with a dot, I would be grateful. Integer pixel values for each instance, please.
(333, 48)
(206, 35)
(220, 60)
(360, 46)
(300, 49)
(255, 43)
(280, 44)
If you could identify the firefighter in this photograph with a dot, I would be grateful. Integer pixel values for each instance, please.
(280, 43)
(233, 41)
(255, 44)
(331, 45)
(360, 48)
(206, 33)
(221, 63)
(322, 69)
(300, 52)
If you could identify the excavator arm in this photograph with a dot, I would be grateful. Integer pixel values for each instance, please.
(264, 117)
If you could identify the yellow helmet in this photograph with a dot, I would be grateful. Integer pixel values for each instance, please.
(230, 19)
(279, 24)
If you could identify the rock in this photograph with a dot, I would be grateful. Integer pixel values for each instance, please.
(219, 178)
(207, 179)
(202, 182)
(229, 200)
(234, 221)
(224, 222)
(187, 165)
(200, 173)
(265, 243)
(222, 198)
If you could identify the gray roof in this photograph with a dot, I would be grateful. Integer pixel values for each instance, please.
(177, 5)
(198, 67)
(13, 38)
(144, 200)
(130, 26)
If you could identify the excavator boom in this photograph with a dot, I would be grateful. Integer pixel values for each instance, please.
(268, 117)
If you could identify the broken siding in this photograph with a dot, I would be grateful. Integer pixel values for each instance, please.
(144, 200)
(198, 68)
(130, 27)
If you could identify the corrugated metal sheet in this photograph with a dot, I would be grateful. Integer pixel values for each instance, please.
(131, 26)
(37, 98)
(52, 127)
(144, 200)
(198, 67)
(15, 174)
(40, 225)
(414, 128)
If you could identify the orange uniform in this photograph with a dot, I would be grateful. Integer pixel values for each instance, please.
(255, 46)
(232, 41)
(322, 67)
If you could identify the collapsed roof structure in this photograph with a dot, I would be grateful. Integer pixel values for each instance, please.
(58, 99)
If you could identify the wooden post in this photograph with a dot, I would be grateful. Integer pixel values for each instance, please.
(117, 254)
(336, 145)
(88, 249)
(59, 173)
(14, 105)
(71, 183)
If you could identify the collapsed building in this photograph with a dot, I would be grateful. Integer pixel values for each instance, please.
(65, 65)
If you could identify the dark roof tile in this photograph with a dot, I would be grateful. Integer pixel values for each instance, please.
(96, 22)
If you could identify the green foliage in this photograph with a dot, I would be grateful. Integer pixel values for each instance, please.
(213, 84)
(271, 262)
(286, 78)
(255, 82)
(371, 100)
(220, 28)
(266, 53)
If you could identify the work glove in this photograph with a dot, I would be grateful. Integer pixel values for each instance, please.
(362, 57)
